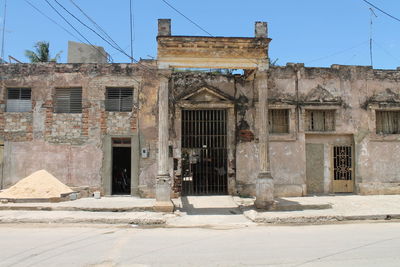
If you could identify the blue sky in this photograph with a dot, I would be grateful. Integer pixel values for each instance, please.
(314, 32)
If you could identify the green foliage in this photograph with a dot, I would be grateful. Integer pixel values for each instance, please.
(41, 53)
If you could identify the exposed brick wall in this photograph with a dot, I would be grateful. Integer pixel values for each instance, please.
(85, 118)
(49, 117)
(2, 122)
(18, 126)
(119, 123)
(66, 128)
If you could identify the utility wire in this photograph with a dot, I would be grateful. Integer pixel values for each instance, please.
(387, 51)
(52, 20)
(183, 15)
(94, 22)
(201, 28)
(72, 26)
(131, 27)
(337, 53)
(384, 12)
(117, 47)
(84, 24)
(4, 29)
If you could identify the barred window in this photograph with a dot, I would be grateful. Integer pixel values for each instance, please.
(387, 122)
(68, 100)
(119, 99)
(19, 100)
(320, 120)
(278, 120)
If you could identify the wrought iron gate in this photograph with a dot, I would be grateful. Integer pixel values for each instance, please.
(204, 152)
(342, 169)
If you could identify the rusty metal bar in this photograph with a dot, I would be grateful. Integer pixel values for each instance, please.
(204, 152)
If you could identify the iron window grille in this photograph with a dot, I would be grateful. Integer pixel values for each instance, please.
(320, 120)
(387, 122)
(19, 100)
(278, 120)
(68, 100)
(119, 99)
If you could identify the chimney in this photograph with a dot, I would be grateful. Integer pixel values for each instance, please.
(164, 27)
(261, 29)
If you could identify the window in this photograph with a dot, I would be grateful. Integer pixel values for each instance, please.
(388, 122)
(278, 121)
(320, 120)
(68, 100)
(119, 99)
(19, 100)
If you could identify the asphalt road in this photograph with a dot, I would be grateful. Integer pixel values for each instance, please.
(367, 244)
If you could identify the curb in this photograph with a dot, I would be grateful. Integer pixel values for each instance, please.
(69, 220)
(44, 208)
(318, 219)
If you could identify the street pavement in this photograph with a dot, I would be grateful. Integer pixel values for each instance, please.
(365, 244)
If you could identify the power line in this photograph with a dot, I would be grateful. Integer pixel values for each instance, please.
(386, 51)
(131, 27)
(72, 26)
(201, 28)
(94, 22)
(370, 35)
(183, 15)
(117, 47)
(4, 28)
(52, 20)
(384, 12)
(337, 53)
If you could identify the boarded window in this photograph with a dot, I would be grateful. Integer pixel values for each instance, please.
(388, 122)
(19, 100)
(119, 99)
(320, 120)
(278, 120)
(68, 100)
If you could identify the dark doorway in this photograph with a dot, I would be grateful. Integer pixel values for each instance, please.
(204, 152)
(121, 162)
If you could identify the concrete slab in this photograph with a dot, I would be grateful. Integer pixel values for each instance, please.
(104, 204)
(73, 217)
(207, 205)
(204, 211)
(344, 207)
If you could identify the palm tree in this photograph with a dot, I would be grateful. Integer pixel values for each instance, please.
(41, 53)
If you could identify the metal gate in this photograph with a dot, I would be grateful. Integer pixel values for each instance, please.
(342, 169)
(204, 152)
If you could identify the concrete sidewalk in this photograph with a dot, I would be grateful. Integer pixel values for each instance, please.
(344, 208)
(205, 211)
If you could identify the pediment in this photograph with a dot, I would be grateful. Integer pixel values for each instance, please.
(205, 94)
(321, 95)
(387, 96)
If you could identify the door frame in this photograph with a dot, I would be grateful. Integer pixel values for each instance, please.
(230, 144)
(336, 188)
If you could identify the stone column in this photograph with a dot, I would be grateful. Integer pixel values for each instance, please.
(264, 183)
(163, 179)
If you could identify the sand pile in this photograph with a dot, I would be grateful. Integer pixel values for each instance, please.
(40, 184)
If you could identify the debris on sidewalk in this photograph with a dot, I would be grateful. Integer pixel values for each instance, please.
(39, 186)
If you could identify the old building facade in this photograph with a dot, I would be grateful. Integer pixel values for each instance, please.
(153, 130)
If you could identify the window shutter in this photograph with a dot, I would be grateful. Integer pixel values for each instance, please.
(68, 100)
(119, 99)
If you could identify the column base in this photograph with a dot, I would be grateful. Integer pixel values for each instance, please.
(264, 191)
(164, 206)
(163, 194)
